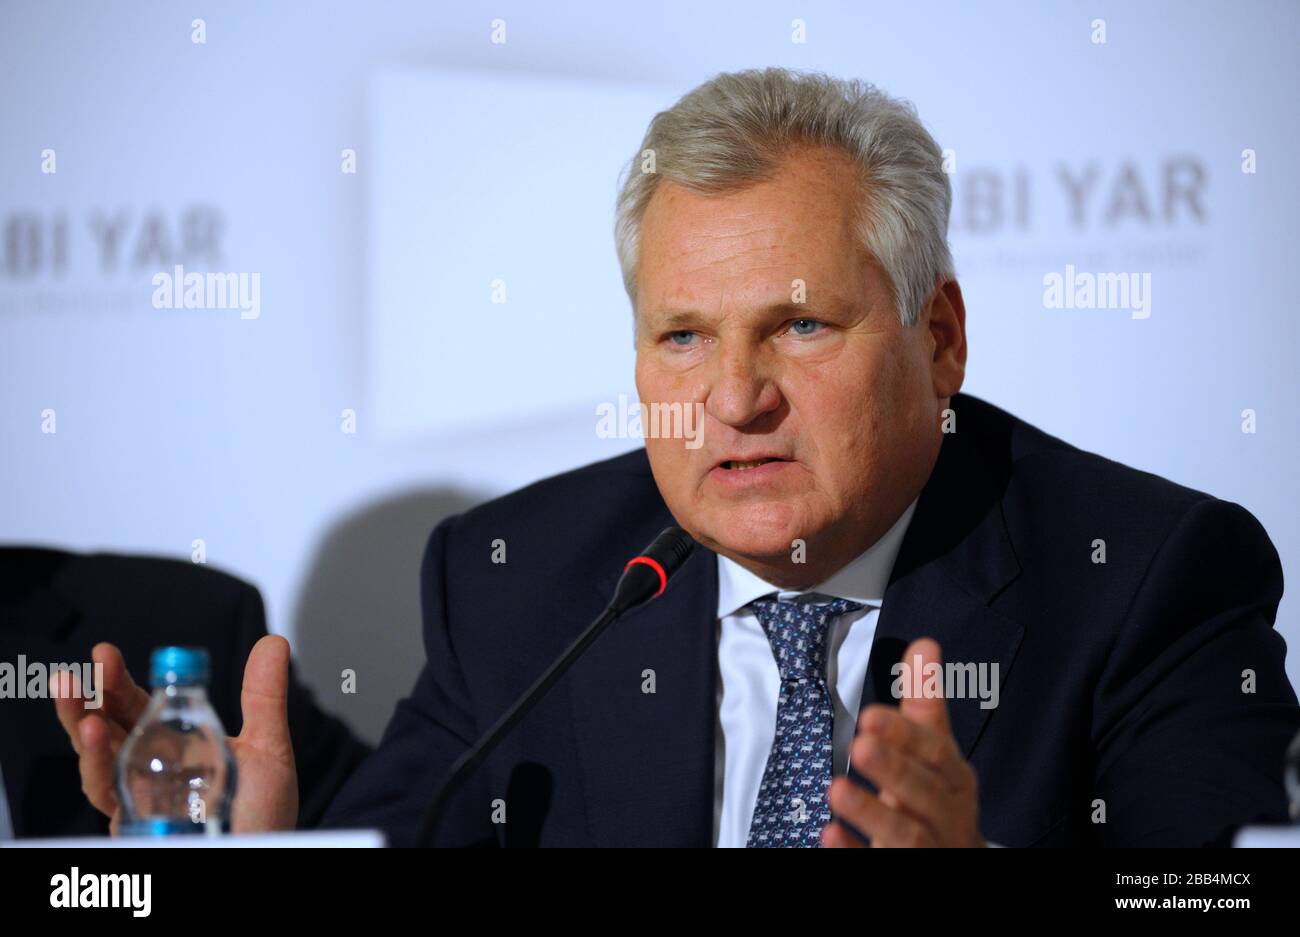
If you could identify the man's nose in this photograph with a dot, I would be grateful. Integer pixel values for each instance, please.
(742, 388)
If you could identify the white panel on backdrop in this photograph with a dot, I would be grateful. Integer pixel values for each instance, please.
(494, 293)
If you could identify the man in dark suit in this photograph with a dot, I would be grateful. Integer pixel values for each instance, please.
(56, 606)
(913, 619)
(1122, 718)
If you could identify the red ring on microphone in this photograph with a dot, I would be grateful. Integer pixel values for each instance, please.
(653, 564)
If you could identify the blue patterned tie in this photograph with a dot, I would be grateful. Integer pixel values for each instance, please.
(791, 808)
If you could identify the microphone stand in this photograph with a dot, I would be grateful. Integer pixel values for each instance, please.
(467, 762)
(644, 577)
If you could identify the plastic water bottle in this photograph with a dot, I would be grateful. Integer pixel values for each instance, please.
(175, 772)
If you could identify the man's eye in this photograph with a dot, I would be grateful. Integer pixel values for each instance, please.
(805, 326)
(681, 338)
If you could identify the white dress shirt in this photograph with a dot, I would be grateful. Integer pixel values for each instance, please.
(749, 682)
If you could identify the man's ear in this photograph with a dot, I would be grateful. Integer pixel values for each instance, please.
(946, 319)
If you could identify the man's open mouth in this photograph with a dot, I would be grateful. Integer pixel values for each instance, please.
(738, 466)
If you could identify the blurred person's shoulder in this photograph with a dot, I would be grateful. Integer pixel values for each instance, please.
(161, 585)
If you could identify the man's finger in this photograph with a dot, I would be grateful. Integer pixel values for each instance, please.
(124, 700)
(919, 741)
(121, 701)
(923, 658)
(69, 706)
(265, 697)
(100, 741)
(912, 785)
(857, 806)
(837, 836)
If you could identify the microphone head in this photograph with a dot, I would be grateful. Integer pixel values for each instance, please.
(646, 575)
(670, 549)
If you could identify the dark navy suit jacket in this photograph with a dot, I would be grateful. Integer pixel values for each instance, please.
(1126, 687)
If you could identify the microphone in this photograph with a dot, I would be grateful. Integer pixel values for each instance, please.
(644, 578)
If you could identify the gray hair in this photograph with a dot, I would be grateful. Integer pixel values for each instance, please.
(733, 130)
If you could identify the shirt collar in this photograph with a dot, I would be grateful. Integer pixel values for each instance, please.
(862, 580)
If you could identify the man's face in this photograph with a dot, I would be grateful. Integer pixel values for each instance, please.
(821, 417)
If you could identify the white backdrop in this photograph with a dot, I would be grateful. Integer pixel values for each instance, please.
(478, 162)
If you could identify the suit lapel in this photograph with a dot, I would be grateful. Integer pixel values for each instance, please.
(955, 558)
(925, 605)
(648, 757)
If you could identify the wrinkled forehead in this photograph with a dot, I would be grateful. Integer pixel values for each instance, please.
(755, 246)
(692, 278)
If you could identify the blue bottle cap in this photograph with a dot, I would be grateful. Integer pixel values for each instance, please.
(159, 826)
(178, 666)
